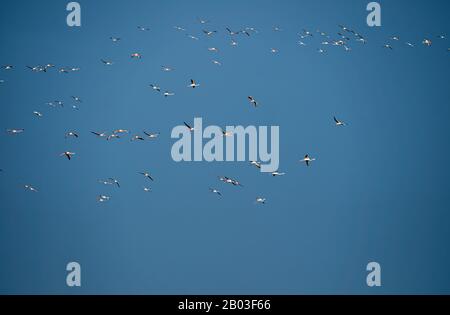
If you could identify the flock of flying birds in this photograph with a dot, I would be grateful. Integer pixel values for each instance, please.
(345, 38)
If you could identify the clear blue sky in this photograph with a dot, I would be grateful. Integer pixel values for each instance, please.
(377, 192)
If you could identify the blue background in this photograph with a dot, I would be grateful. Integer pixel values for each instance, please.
(377, 192)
